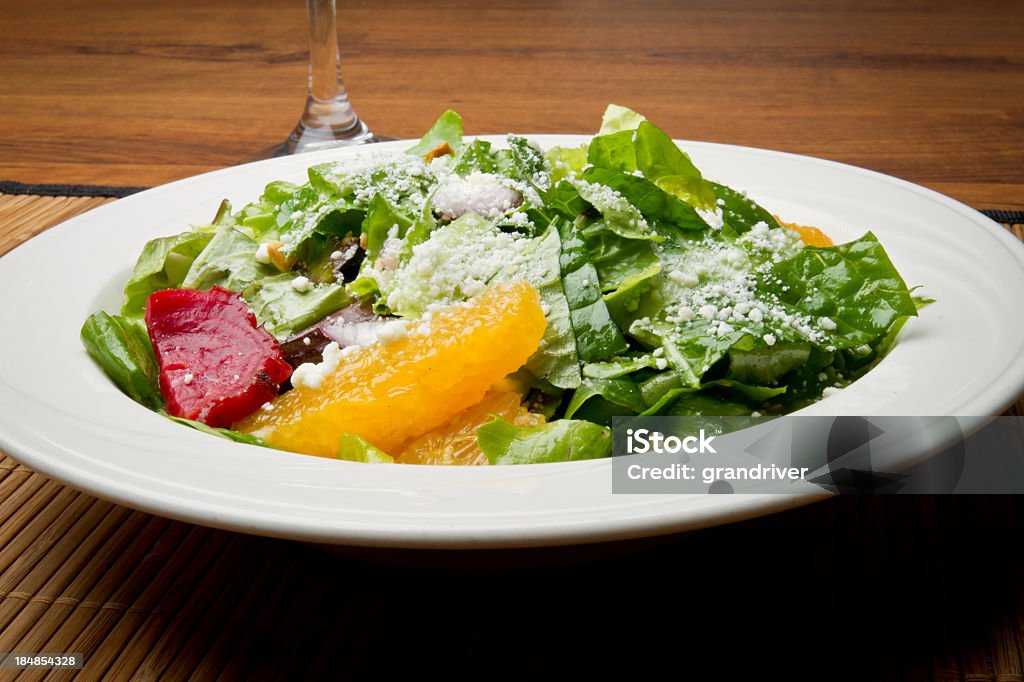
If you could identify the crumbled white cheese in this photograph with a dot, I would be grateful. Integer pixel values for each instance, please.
(440, 273)
(301, 284)
(263, 253)
(394, 330)
(687, 280)
(188, 379)
(485, 194)
(713, 217)
(312, 375)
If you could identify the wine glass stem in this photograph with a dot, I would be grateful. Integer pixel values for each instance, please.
(328, 120)
(325, 82)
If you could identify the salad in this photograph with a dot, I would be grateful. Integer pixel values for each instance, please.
(460, 302)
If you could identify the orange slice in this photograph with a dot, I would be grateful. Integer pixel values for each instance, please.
(811, 236)
(455, 442)
(391, 393)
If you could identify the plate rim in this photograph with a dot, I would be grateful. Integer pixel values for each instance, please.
(465, 536)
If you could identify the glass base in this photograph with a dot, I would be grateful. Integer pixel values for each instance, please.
(307, 139)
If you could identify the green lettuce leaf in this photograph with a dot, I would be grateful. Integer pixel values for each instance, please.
(229, 261)
(355, 449)
(668, 167)
(597, 336)
(556, 361)
(476, 156)
(615, 151)
(447, 128)
(282, 310)
(616, 118)
(163, 264)
(564, 440)
(381, 218)
(566, 162)
(528, 162)
(236, 436)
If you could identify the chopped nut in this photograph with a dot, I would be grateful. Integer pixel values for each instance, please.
(440, 150)
(281, 261)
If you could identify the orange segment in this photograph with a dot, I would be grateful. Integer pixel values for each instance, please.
(389, 394)
(455, 442)
(811, 236)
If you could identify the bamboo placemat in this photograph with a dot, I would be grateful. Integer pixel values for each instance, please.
(923, 588)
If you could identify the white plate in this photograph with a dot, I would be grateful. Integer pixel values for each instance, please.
(61, 416)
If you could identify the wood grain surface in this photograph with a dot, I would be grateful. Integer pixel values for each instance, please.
(129, 93)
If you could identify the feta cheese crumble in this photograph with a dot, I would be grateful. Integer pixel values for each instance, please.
(485, 194)
(263, 253)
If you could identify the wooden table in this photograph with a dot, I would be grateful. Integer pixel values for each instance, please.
(120, 92)
(109, 93)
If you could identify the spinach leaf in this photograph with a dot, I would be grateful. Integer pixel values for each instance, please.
(122, 349)
(741, 212)
(565, 440)
(615, 257)
(619, 366)
(766, 364)
(621, 392)
(660, 208)
(562, 199)
(854, 285)
(756, 394)
(701, 404)
(693, 350)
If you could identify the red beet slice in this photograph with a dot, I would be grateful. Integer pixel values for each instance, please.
(216, 365)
